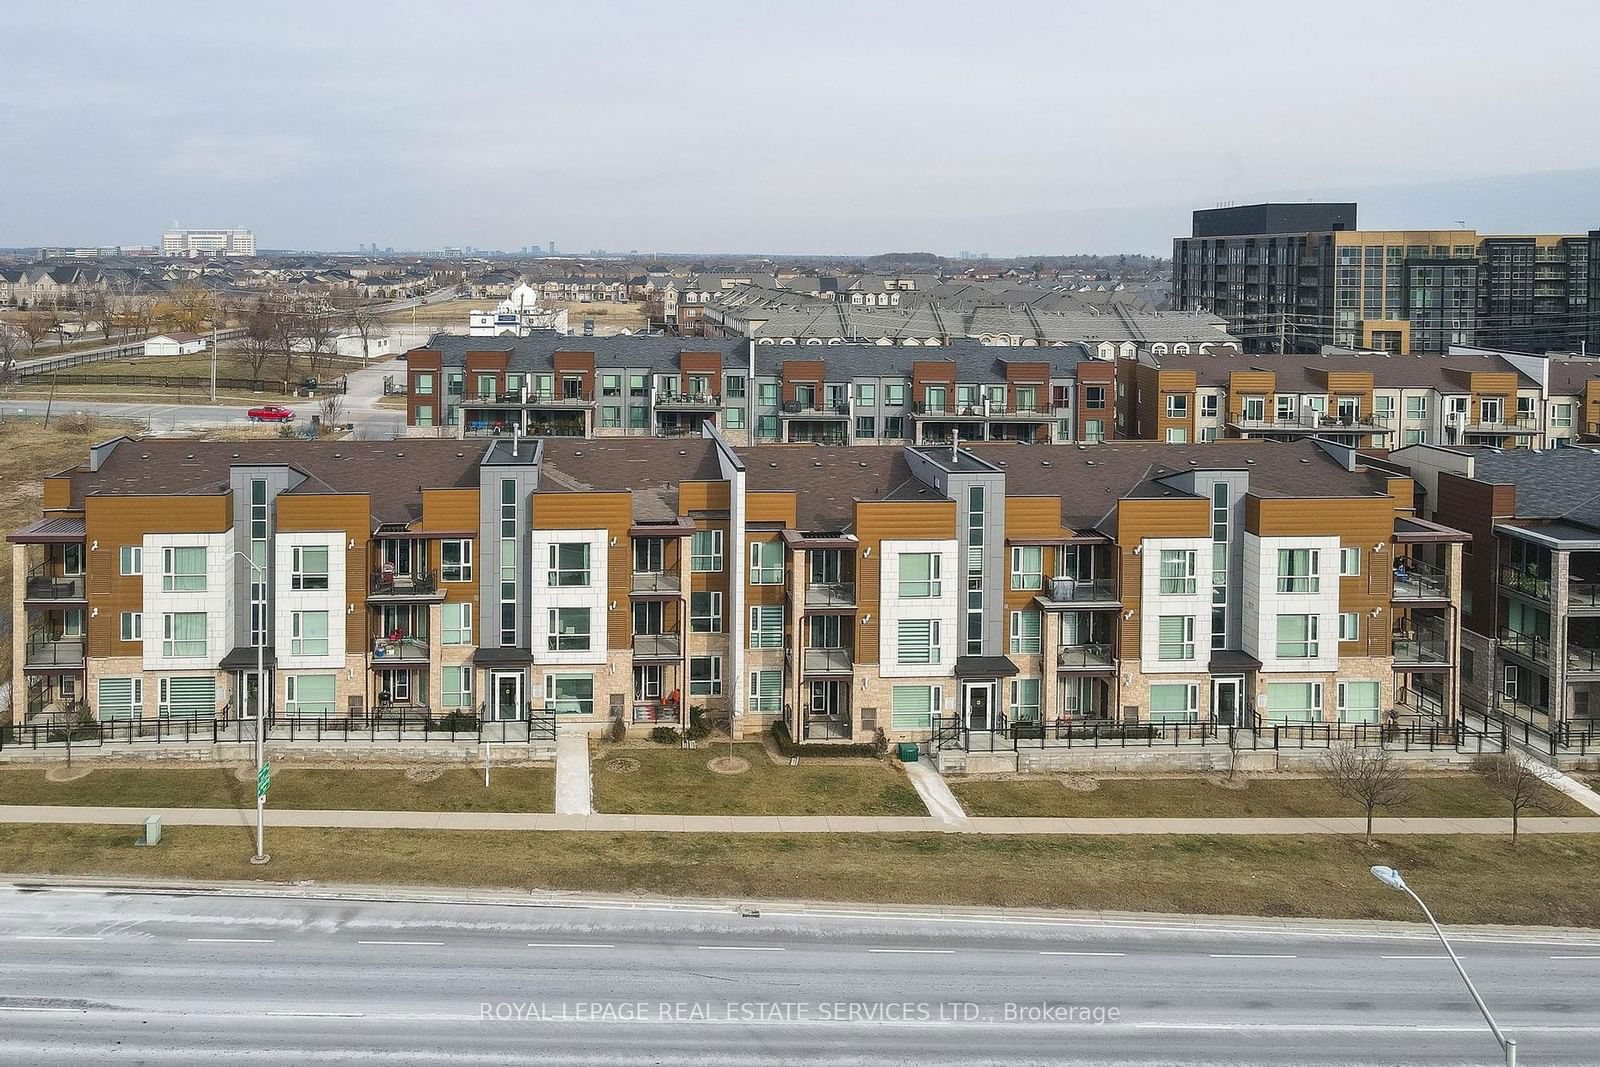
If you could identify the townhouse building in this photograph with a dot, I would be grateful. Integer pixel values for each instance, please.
(917, 589)
(1531, 596)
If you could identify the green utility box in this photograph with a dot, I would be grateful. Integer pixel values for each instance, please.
(907, 751)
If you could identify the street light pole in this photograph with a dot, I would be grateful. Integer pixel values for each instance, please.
(1391, 878)
(259, 571)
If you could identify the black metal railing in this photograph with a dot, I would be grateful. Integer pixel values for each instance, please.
(655, 582)
(951, 733)
(1416, 579)
(830, 594)
(387, 583)
(1421, 646)
(1080, 590)
(44, 585)
(1525, 582)
(464, 727)
(1084, 655)
(55, 652)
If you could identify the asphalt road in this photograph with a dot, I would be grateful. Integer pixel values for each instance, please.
(88, 975)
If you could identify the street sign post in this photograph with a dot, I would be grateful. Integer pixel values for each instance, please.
(263, 780)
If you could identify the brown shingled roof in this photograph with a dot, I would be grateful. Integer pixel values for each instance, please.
(828, 481)
(1294, 371)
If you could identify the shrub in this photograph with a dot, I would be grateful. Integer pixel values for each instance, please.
(458, 720)
(75, 422)
(617, 732)
(698, 727)
(666, 735)
(791, 748)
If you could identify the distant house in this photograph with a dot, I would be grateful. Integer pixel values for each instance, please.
(174, 344)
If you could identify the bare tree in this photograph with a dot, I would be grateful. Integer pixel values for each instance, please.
(1519, 784)
(1368, 776)
(288, 331)
(332, 411)
(319, 330)
(35, 326)
(10, 344)
(256, 342)
(366, 322)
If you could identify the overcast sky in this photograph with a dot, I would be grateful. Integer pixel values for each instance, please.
(854, 126)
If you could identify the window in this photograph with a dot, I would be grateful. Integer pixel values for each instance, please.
(1349, 562)
(187, 698)
(183, 570)
(569, 694)
(310, 567)
(705, 612)
(131, 626)
(1177, 571)
(1383, 406)
(705, 551)
(455, 555)
(766, 691)
(1560, 416)
(1294, 701)
(183, 635)
(1350, 626)
(919, 575)
(308, 696)
(1094, 430)
(636, 385)
(1174, 702)
(569, 630)
(1208, 405)
(455, 685)
(1416, 408)
(733, 418)
(766, 626)
(308, 633)
(1027, 567)
(766, 563)
(456, 623)
(610, 416)
(894, 395)
(767, 394)
(1358, 701)
(866, 394)
(917, 641)
(734, 389)
(1297, 636)
(1175, 637)
(767, 428)
(569, 565)
(1024, 700)
(1094, 398)
(913, 707)
(610, 385)
(119, 698)
(637, 418)
(705, 676)
(1177, 436)
(1297, 570)
(424, 414)
(424, 384)
(894, 428)
(1177, 405)
(648, 555)
(866, 427)
(132, 560)
(1412, 437)
(1025, 630)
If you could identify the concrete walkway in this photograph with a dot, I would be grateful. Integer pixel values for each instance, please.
(574, 790)
(1563, 783)
(935, 793)
(769, 824)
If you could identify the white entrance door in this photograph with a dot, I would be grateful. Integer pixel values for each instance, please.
(1226, 694)
(507, 695)
(977, 703)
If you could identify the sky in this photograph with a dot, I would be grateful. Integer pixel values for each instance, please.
(847, 127)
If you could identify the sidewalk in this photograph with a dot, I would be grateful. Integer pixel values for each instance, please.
(773, 824)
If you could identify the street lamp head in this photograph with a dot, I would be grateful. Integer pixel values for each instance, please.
(1389, 877)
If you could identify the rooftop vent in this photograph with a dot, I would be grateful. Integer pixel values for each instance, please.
(683, 452)
(1044, 463)
(773, 464)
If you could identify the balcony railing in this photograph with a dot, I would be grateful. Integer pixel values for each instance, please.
(1083, 656)
(1528, 646)
(55, 652)
(1581, 660)
(827, 661)
(658, 646)
(1421, 646)
(43, 585)
(412, 649)
(831, 595)
(1583, 594)
(388, 583)
(687, 400)
(655, 582)
(1080, 591)
(1529, 585)
(1504, 424)
(1416, 579)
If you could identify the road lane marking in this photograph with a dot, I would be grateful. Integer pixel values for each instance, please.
(568, 944)
(231, 940)
(1251, 956)
(1059, 952)
(1437, 956)
(8, 1007)
(1575, 957)
(739, 948)
(916, 951)
(424, 943)
(320, 1014)
(56, 937)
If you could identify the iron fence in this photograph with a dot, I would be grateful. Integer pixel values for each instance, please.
(456, 727)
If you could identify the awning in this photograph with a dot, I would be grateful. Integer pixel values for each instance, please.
(49, 532)
(1231, 661)
(985, 667)
(244, 658)
(1413, 531)
(497, 657)
(662, 529)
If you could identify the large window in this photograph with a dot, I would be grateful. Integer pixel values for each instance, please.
(766, 563)
(705, 551)
(456, 687)
(310, 567)
(919, 574)
(913, 707)
(1350, 626)
(1175, 637)
(308, 633)
(1294, 701)
(569, 630)
(705, 612)
(183, 635)
(119, 698)
(766, 691)
(766, 626)
(1297, 637)
(1027, 567)
(1174, 702)
(569, 565)
(705, 676)
(1349, 562)
(1358, 701)
(1025, 630)
(187, 697)
(1024, 700)
(131, 626)
(1177, 571)
(308, 696)
(183, 570)
(132, 560)
(455, 623)
(917, 641)
(569, 694)
(455, 555)
(1297, 570)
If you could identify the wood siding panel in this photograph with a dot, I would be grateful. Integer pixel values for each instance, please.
(57, 494)
(880, 520)
(704, 496)
(350, 514)
(1137, 520)
(598, 511)
(778, 507)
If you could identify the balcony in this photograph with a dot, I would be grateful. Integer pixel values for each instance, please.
(1529, 646)
(657, 646)
(1525, 583)
(827, 661)
(655, 583)
(1080, 592)
(575, 398)
(389, 586)
(43, 585)
(1312, 422)
(1514, 425)
(1421, 648)
(394, 652)
(1416, 579)
(831, 595)
(1581, 660)
(688, 401)
(57, 652)
(1084, 657)
(795, 409)
(1583, 595)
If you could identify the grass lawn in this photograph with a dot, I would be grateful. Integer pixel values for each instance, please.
(1460, 796)
(1544, 881)
(675, 781)
(456, 789)
(446, 311)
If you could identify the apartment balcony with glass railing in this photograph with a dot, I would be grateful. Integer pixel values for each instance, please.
(1080, 592)
(1416, 579)
(830, 594)
(1085, 656)
(47, 651)
(827, 661)
(1421, 646)
(1526, 583)
(657, 646)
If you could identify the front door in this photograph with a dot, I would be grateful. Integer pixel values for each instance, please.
(248, 685)
(977, 700)
(1225, 694)
(508, 695)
